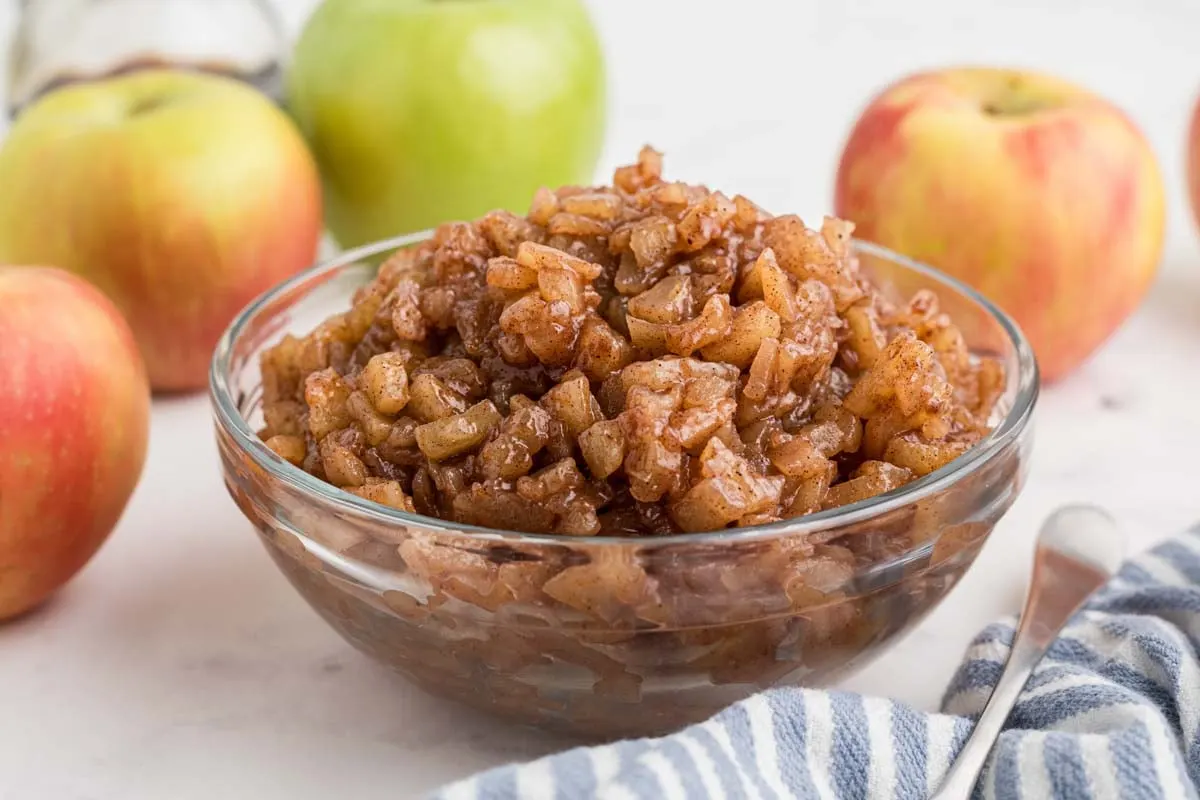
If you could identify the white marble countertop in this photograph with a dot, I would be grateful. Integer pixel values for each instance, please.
(180, 664)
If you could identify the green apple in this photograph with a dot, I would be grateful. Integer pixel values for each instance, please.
(423, 111)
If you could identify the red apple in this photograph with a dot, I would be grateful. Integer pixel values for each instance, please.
(181, 196)
(74, 419)
(1036, 192)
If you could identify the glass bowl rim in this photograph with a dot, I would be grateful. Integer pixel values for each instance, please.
(230, 418)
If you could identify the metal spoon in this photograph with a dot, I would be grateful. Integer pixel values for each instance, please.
(1078, 550)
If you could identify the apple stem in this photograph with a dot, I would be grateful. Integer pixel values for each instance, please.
(144, 105)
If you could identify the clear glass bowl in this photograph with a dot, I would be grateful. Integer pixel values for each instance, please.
(673, 628)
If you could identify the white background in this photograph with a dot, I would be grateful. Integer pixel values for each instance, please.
(180, 664)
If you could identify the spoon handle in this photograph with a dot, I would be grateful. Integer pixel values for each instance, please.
(1078, 550)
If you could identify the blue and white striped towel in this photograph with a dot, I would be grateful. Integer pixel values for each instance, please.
(1113, 711)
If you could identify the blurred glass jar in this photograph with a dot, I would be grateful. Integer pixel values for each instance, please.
(62, 41)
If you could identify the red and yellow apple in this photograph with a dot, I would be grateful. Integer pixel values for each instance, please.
(74, 419)
(181, 196)
(1038, 193)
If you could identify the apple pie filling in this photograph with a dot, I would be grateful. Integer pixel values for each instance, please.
(645, 358)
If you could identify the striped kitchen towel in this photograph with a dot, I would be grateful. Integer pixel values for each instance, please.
(1113, 711)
